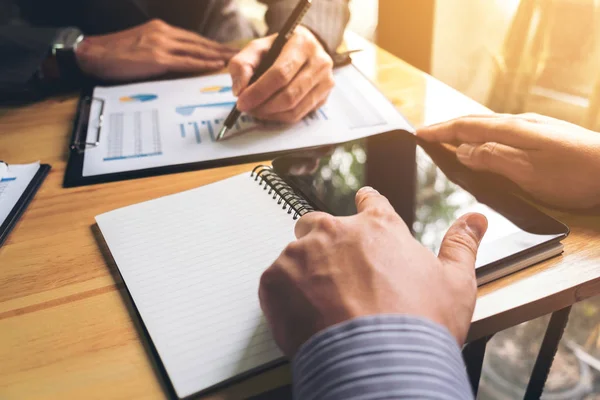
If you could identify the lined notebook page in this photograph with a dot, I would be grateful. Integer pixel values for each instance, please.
(192, 262)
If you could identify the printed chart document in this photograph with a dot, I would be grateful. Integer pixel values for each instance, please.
(156, 124)
(192, 263)
(13, 184)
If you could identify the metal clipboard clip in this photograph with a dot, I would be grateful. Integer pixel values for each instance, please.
(86, 118)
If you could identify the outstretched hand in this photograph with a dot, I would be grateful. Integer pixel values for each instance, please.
(150, 50)
(553, 160)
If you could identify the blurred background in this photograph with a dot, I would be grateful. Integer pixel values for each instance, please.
(512, 56)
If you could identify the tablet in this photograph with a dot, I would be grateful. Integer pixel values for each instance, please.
(429, 189)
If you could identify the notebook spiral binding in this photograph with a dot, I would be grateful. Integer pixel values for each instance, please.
(281, 191)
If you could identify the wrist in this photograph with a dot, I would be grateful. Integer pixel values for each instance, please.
(91, 55)
(314, 36)
(83, 54)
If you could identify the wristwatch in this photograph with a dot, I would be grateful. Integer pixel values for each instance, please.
(63, 50)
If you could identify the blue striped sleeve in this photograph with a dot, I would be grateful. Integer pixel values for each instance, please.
(381, 357)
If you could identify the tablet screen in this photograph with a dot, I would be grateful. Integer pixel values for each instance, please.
(426, 185)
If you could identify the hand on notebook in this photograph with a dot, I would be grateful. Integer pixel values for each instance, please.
(369, 263)
(150, 50)
(297, 84)
(553, 160)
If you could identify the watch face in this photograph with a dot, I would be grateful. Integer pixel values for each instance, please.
(68, 39)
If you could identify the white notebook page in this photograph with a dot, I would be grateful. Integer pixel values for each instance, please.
(192, 262)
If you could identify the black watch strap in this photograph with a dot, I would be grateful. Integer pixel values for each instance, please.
(63, 49)
(68, 67)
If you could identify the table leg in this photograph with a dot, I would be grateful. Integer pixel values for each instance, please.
(541, 369)
(473, 354)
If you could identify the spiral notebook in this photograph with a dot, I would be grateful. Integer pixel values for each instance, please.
(192, 262)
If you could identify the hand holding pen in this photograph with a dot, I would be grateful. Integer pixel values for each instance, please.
(281, 77)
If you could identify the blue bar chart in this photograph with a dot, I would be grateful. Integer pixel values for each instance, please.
(205, 130)
(199, 130)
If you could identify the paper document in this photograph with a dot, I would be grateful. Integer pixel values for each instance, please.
(192, 263)
(12, 185)
(155, 124)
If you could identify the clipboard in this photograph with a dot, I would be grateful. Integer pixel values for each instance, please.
(19, 208)
(80, 142)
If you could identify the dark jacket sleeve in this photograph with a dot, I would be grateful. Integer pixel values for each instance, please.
(326, 18)
(23, 49)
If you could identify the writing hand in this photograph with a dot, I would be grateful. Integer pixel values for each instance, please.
(297, 83)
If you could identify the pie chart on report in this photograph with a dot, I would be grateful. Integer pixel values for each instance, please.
(216, 89)
(139, 98)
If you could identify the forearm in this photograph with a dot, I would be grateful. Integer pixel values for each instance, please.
(326, 18)
(377, 357)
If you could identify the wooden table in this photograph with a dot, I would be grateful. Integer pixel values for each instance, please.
(65, 327)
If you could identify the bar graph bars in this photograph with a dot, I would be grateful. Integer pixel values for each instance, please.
(198, 130)
(205, 130)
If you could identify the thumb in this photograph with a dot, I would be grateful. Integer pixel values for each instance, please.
(460, 245)
(368, 198)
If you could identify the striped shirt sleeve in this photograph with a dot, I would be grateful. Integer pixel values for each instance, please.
(327, 19)
(381, 357)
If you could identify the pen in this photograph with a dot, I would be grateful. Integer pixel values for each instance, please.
(342, 59)
(269, 59)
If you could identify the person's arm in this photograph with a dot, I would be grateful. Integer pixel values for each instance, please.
(381, 357)
(301, 78)
(23, 49)
(350, 303)
(145, 51)
(327, 19)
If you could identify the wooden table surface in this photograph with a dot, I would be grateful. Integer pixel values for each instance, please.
(65, 326)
